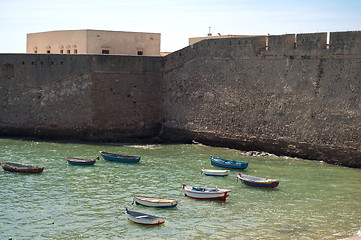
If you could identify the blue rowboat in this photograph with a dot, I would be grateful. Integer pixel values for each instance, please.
(119, 157)
(80, 161)
(257, 181)
(228, 163)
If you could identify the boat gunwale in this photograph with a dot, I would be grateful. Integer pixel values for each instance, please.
(148, 217)
(228, 163)
(168, 199)
(215, 170)
(80, 160)
(261, 180)
(220, 191)
(116, 155)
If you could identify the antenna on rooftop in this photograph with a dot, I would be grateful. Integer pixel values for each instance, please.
(209, 31)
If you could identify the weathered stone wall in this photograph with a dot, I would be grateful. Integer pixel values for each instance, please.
(290, 95)
(297, 98)
(83, 96)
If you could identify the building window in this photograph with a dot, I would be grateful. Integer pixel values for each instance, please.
(36, 51)
(68, 51)
(140, 52)
(75, 51)
(61, 51)
(47, 51)
(105, 51)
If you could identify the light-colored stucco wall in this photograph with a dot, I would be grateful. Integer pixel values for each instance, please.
(57, 40)
(127, 43)
(93, 42)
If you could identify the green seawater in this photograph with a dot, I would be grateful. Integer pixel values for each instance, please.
(313, 201)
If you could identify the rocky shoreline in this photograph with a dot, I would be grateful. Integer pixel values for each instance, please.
(258, 154)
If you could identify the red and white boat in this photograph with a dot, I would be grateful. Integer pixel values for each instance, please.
(206, 193)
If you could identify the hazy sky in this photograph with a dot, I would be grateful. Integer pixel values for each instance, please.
(176, 20)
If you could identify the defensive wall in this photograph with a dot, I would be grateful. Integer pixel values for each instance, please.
(91, 97)
(295, 95)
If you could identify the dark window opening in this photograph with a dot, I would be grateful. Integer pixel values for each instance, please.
(105, 51)
(75, 51)
(35, 51)
(68, 51)
(140, 52)
(61, 51)
(47, 51)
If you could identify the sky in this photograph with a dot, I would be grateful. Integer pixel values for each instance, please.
(175, 20)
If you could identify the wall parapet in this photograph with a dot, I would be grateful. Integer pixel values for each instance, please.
(311, 44)
(294, 45)
(279, 45)
(345, 43)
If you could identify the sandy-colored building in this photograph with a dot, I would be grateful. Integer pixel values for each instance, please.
(193, 40)
(94, 42)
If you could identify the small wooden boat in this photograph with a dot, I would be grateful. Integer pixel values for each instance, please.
(143, 218)
(155, 202)
(80, 161)
(17, 167)
(213, 172)
(228, 163)
(206, 193)
(258, 182)
(120, 157)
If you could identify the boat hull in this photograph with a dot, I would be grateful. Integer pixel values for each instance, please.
(228, 163)
(216, 173)
(16, 167)
(144, 219)
(119, 157)
(79, 161)
(155, 202)
(258, 182)
(218, 194)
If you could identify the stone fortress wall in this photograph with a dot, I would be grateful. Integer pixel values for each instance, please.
(294, 95)
(291, 95)
(91, 97)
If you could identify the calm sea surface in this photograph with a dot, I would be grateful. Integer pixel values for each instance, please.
(313, 201)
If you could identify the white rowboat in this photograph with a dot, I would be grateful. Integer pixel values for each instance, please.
(143, 218)
(155, 202)
(206, 193)
(212, 172)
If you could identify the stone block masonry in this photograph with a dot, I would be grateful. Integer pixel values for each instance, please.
(90, 97)
(291, 95)
(294, 95)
